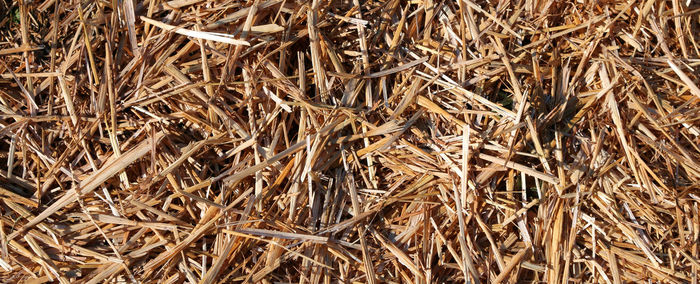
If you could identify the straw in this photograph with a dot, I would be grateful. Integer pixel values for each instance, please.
(272, 141)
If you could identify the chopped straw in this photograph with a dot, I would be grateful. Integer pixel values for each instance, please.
(272, 141)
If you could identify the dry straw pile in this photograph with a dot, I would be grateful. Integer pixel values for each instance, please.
(421, 141)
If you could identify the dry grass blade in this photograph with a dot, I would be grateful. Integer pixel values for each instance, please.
(196, 34)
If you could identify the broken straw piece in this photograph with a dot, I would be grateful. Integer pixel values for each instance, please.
(196, 34)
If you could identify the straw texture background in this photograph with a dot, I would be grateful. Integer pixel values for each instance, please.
(421, 141)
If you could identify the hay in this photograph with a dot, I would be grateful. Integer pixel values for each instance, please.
(400, 141)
